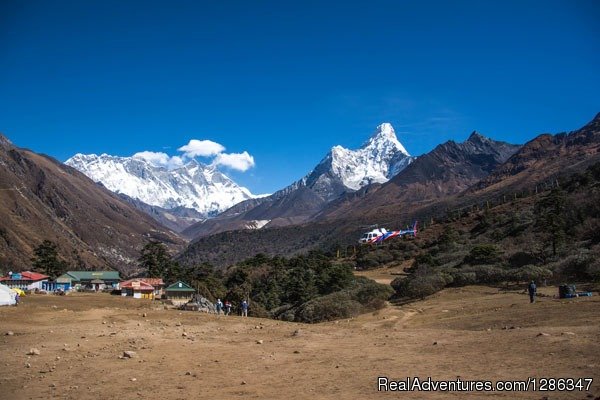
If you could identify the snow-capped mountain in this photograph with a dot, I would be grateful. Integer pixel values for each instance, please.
(376, 161)
(194, 185)
(341, 171)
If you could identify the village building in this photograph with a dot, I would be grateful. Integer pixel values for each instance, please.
(180, 292)
(158, 283)
(95, 280)
(25, 280)
(137, 288)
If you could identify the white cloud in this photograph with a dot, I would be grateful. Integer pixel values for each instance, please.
(175, 162)
(159, 159)
(201, 148)
(238, 161)
(153, 157)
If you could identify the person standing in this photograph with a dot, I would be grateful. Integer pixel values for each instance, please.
(532, 289)
(244, 308)
(219, 306)
(227, 307)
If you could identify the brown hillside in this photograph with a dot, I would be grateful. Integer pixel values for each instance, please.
(41, 198)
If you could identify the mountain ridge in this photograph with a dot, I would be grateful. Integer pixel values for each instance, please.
(192, 185)
(340, 171)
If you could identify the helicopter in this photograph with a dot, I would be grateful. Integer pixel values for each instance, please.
(379, 235)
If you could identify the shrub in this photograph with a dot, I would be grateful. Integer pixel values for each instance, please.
(521, 258)
(594, 271)
(374, 258)
(363, 295)
(421, 286)
(483, 254)
(284, 312)
(464, 278)
(367, 292)
(581, 266)
(326, 308)
(531, 273)
(487, 274)
(257, 311)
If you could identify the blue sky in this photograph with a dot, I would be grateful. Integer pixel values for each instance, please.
(286, 80)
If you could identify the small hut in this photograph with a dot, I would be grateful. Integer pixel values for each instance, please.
(158, 285)
(180, 292)
(137, 289)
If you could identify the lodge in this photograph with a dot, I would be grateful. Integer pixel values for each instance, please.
(180, 292)
(95, 280)
(25, 280)
(137, 288)
(157, 283)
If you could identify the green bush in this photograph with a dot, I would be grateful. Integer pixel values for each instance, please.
(576, 266)
(421, 286)
(487, 274)
(531, 273)
(464, 278)
(362, 296)
(365, 290)
(285, 312)
(257, 311)
(483, 254)
(326, 308)
(374, 258)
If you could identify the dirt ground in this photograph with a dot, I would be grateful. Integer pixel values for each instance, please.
(474, 333)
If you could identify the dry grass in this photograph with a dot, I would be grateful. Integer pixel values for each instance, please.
(81, 337)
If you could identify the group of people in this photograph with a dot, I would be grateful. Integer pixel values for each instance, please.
(225, 308)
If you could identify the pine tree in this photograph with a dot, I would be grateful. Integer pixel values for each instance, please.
(46, 260)
(550, 217)
(155, 259)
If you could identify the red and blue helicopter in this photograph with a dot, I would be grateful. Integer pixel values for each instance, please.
(379, 235)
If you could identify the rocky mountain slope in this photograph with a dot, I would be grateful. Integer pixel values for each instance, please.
(41, 198)
(448, 169)
(341, 171)
(452, 178)
(547, 156)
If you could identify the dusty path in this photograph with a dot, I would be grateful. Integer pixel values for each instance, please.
(460, 332)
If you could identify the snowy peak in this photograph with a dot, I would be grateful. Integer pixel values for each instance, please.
(376, 161)
(192, 185)
(385, 136)
(341, 171)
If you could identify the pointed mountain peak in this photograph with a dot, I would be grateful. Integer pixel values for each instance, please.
(476, 137)
(384, 131)
(384, 138)
(193, 163)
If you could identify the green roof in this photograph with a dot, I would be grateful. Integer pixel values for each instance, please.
(91, 275)
(180, 287)
(65, 278)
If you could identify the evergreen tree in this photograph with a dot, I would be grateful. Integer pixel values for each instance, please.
(550, 217)
(155, 260)
(45, 259)
(174, 272)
